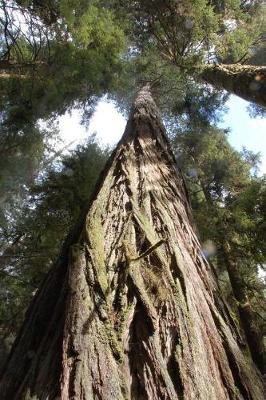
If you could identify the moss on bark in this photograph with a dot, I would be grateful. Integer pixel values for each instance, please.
(246, 81)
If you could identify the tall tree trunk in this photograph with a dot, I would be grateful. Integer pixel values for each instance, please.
(132, 309)
(246, 81)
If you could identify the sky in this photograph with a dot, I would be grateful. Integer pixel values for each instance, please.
(245, 131)
(109, 126)
(106, 122)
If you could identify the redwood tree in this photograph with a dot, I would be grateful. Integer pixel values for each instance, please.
(132, 309)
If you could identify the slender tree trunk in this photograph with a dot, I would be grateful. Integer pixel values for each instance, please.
(246, 81)
(22, 70)
(132, 309)
(7, 65)
(249, 320)
(4, 75)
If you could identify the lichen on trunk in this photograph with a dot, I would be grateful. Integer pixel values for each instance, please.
(132, 309)
(245, 81)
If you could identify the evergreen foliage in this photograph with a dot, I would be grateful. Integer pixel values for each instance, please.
(54, 56)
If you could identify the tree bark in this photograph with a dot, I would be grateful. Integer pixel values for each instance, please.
(245, 81)
(132, 309)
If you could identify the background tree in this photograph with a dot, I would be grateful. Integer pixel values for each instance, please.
(48, 68)
(228, 205)
(200, 37)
